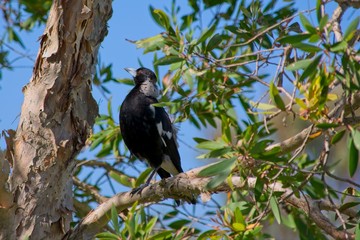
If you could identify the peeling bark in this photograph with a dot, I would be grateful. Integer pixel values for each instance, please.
(56, 119)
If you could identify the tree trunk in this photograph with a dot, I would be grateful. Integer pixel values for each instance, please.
(56, 119)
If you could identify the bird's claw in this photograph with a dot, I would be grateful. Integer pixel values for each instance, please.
(139, 189)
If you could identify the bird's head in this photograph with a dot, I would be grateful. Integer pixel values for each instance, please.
(142, 75)
(145, 79)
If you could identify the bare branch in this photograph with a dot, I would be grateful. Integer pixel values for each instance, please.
(91, 190)
(335, 21)
(352, 3)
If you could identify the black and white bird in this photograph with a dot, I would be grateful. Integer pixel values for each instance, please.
(146, 129)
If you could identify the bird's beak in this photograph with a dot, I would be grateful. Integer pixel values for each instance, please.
(132, 71)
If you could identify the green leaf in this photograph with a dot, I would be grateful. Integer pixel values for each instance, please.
(151, 44)
(259, 186)
(214, 42)
(275, 96)
(131, 223)
(115, 218)
(239, 218)
(357, 232)
(212, 145)
(302, 64)
(238, 227)
(221, 166)
(275, 209)
(348, 205)
(353, 26)
(143, 176)
(339, 46)
(163, 19)
(100, 137)
(107, 236)
(105, 150)
(122, 179)
(163, 104)
(311, 68)
(167, 60)
(219, 152)
(200, 140)
(356, 137)
(318, 9)
(205, 35)
(337, 137)
(301, 103)
(170, 215)
(150, 225)
(288, 221)
(324, 20)
(307, 47)
(126, 81)
(217, 180)
(179, 223)
(305, 22)
(315, 38)
(262, 106)
(291, 39)
(295, 27)
(353, 157)
(155, 16)
(13, 36)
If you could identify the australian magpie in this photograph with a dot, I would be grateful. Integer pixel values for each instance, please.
(146, 129)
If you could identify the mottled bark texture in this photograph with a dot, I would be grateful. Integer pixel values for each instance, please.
(56, 119)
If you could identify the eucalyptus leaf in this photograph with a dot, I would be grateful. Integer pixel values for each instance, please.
(221, 166)
(214, 42)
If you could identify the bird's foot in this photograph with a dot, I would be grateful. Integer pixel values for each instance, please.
(139, 189)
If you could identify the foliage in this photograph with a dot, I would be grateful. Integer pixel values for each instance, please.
(18, 16)
(242, 67)
(136, 225)
(213, 76)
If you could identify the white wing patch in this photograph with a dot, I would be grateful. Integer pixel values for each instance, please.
(163, 133)
(160, 131)
(168, 166)
(168, 134)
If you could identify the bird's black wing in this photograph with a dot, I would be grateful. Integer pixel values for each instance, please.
(168, 135)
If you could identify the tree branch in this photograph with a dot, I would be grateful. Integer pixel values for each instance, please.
(90, 190)
(334, 23)
(178, 187)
